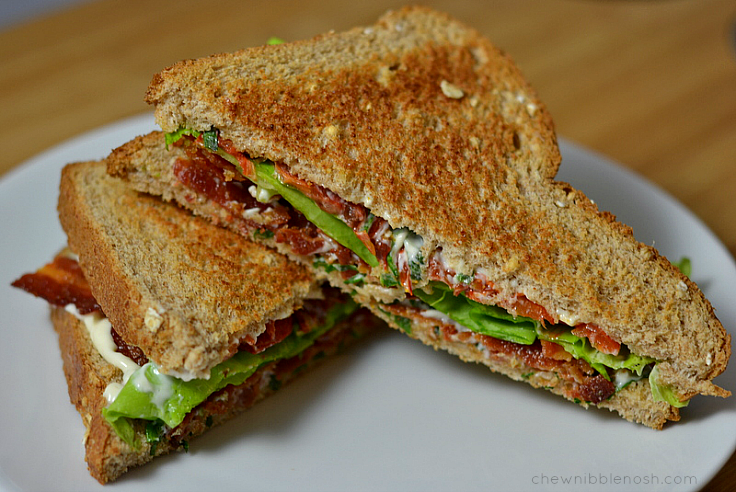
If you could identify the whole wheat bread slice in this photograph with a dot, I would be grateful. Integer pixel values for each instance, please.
(147, 165)
(226, 288)
(209, 289)
(427, 124)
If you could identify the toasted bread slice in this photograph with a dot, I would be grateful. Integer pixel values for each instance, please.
(88, 374)
(147, 165)
(183, 292)
(425, 124)
(376, 96)
(225, 290)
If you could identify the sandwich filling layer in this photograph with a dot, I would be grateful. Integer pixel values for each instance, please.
(272, 204)
(165, 403)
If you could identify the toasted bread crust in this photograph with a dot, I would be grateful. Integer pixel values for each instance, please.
(225, 288)
(87, 375)
(469, 167)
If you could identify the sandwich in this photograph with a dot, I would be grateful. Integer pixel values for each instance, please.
(169, 325)
(411, 165)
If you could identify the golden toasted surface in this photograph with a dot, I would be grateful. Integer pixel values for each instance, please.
(382, 98)
(430, 126)
(184, 291)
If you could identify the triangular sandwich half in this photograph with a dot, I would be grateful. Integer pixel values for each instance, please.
(169, 325)
(410, 163)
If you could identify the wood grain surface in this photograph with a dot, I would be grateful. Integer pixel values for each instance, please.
(651, 84)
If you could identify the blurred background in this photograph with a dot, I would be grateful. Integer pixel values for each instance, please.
(16, 11)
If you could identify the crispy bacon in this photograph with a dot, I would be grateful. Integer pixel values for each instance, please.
(436, 270)
(324, 198)
(524, 307)
(310, 316)
(227, 145)
(598, 338)
(276, 331)
(380, 237)
(352, 214)
(587, 384)
(194, 150)
(304, 241)
(404, 271)
(131, 351)
(555, 351)
(477, 288)
(200, 176)
(366, 239)
(60, 283)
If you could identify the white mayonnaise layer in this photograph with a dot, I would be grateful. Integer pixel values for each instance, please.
(99, 329)
(100, 332)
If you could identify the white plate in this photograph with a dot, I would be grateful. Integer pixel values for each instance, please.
(391, 414)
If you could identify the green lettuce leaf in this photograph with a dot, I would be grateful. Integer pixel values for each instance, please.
(328, 223)
(684, 266)
(266, 179)
(173, 137)
(403, 323)
(480, 318)
(580, 348)
(150, 395)
(662, 392)
(498, 323)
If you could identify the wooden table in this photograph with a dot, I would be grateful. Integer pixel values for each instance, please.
(651, 84)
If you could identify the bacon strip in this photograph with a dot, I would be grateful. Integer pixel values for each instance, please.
(276, 331)
(555, 351)
(404, 271)
(478, 288)
(200, 176)
(587, 384)
(310, 316)
(366, 239)
(131, 351)
(598, 338)
(524, 307)
(227, 145)
(60, 283)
